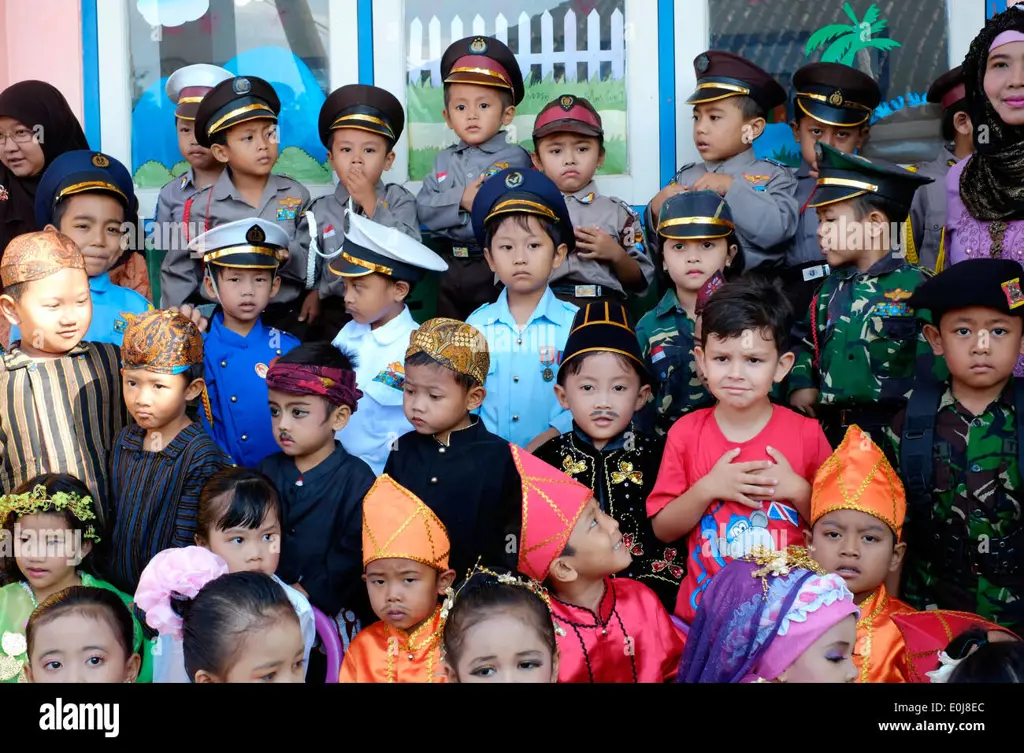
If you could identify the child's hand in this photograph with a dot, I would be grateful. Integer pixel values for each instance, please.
(740, 482)
(361, 190)
(470, 193)
(791, 485)
(664, 195)
(804, 400)
(594, 243)
(310, 307)
(189, 311)
(717, 182)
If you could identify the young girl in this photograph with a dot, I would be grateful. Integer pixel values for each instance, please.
(234, 627)
(698, 241)
(773, 617)
(499, 629)
(933, 657)
(975, 658)
(50, 525)
(82, 634)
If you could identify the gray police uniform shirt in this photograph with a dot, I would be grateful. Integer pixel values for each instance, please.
(762, 199)
(170, 204)
(396, 208)
(805, 248)
(588, 208)
(928, 210)
(438, 203)
(284, 201)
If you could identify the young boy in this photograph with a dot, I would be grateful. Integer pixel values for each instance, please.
(312, 392)
(161, 462)
(460, 470)
(957, 446)
(833, 105)
(405, 561)
(732, 102)
(482, 87)
(609, 629)
(237, 122)
(523, 225)
(360, 126)
(603, 382)
(857, 511)
(864, 347)
(379, 266)
(610, 260)
(737, 475)
(926, 228)
(60, 398)
(241, 275)
(186, 88)
(90, 198)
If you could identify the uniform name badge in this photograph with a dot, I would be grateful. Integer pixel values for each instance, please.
(814, 273)
(460, 252)
(547, 360)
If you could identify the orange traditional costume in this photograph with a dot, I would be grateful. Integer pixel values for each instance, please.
(631, 636)
(398, 525)
(927, 634)
(860, 478)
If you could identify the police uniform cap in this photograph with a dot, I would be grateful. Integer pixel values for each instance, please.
(483, 61)
(722, 74)
(836, 94)
(990, 283)
(370, 247)
(232, 102)
(948, 89)
(693, 215)
(568, 114)
(846, 176)
(522, 191)
(604, 328)
(244, 244)
(187, 86)
(368, 108)
(84, 171)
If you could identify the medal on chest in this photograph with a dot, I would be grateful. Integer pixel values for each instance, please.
(548, 358)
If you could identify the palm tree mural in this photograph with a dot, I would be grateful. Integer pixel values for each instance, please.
(853, 41)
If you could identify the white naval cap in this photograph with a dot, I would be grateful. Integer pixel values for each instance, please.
(371, 247)
(187, 86)
(252, 243)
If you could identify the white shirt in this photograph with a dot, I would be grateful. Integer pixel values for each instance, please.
(379, 419)
(169, 653)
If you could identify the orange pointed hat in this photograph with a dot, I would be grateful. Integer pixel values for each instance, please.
(857, 476)
(552, 503)
(931, 631)
(398, 525)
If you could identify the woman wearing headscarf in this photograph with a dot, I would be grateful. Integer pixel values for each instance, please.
(775, 616)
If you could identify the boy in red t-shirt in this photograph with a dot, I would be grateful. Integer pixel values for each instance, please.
(737, 475)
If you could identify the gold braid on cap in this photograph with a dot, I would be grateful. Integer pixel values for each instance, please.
(38, 501)
(780, 563)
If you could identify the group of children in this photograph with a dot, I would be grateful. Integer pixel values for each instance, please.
(529, 487)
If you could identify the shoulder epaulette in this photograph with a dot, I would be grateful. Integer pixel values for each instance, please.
(685, 167)
(775, 162)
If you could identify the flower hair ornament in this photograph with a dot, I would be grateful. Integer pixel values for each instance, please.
(38, 501)
(177, 574)
(781, 563)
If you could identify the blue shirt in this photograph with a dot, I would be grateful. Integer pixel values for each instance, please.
(109, 303)
(521, 402)
(235, 369)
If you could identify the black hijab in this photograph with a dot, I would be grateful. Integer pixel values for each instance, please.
(34, 104)
(992, 183)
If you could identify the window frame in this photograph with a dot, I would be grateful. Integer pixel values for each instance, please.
(114, 68)
(642, 98)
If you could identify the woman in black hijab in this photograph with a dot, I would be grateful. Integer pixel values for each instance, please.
(36, 125)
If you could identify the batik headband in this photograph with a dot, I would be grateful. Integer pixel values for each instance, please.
(38, 501)
(337, 386)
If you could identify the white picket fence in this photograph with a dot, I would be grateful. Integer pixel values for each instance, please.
(546, 58)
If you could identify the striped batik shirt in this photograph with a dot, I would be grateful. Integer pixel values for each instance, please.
(156, 497)
(61, 415)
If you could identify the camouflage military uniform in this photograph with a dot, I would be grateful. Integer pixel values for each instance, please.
(865, 347)
(953, 549)
(666, 340)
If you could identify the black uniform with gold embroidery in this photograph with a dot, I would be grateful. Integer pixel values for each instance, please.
(622, 473)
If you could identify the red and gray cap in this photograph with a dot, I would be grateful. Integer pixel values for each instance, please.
(568, 114)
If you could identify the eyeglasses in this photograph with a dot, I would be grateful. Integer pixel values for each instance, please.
(21, 136)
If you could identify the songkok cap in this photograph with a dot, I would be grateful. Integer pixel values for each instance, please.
(604, 328)
(368, 108)
(35, 256)
(858, 477)
(232, 102)
(187, 86)
(398, 525)
(370, 247)
(568, 114)
(522, 191)
(244, 244)
(453, 344)
(483, 61)
(836, 94)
